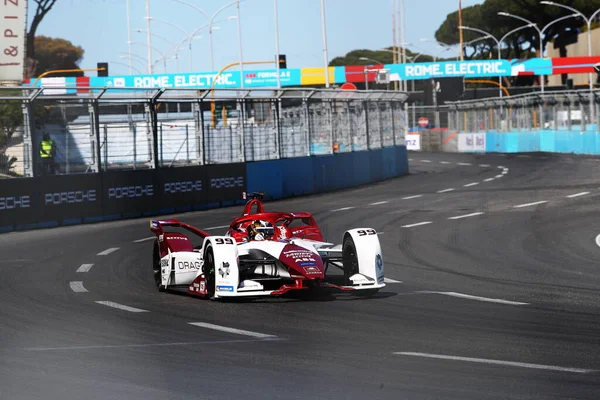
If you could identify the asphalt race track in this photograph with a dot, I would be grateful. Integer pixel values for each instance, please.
(493, 293)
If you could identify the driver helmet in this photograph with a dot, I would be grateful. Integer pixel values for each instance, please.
(260, 230)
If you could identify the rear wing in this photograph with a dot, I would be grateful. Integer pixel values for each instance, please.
(156, 226)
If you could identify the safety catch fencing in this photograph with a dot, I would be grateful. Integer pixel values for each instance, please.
(100, 129)
(576, 111)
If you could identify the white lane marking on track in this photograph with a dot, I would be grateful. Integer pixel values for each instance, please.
(215, 227)
(426, 161)
(445, 190)
(379, 203)
(84, 267)
(598, 240)
(410, 159)
(417, 224)
(444, 162)
(231, 330)
(504, 172)
(465, 164)
(501, 167)
(467, 215)
(108, 251)
(498, 176)
(496, 362)
(144, 239)
(412, 197)
(124, 346)
(476, 298)
(121, 306)
(388, 280)
(489, 179)
(485, 165)
(530, 204)
(471, 184)
(77, 286)
(578, 195)
(343, 209)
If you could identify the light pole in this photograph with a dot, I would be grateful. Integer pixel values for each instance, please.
(324, 31)
(210, 22)
(240, 48)
(128, 16)
(367, 70)
(589, 28)
(128, 65)
(540, 33)
(150, 64)
(176, 55)
(278, 67)
(490, 36)
(148, 39)
(440, 44)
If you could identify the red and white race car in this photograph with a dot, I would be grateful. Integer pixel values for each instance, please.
(264, 254)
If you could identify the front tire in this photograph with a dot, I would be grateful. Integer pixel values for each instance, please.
(209, 273)
(156, 268)
(349, 259)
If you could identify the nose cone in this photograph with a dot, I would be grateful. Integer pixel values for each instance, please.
(303, 261)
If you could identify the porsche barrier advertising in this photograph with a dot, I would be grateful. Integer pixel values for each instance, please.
(29, 203)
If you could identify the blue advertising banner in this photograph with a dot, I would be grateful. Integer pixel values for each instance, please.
(202, 80)
(471, 69)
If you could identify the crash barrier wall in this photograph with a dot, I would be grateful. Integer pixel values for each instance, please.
(45, 202)
(558, 122)
(308, 175)
(433, 140)
(100, 129)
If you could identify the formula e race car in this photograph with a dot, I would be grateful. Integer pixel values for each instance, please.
(264, 254)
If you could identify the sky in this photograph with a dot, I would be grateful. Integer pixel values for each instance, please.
(100, 28)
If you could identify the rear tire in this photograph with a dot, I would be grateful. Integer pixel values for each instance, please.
(349, 259)
(209, 272)
(156, 268)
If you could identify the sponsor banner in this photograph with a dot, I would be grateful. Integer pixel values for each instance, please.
(126, 192)
(467, 69)
(12, 39)
(471, 142)
(268, 78)
(225, 182)
(19, 202)
(182, 187)
(201, 80)
(65, 197)
(413, 142)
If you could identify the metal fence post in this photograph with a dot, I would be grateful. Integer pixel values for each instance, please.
(95, 135)
(187, 143)
(28, 147)
(392, 106)
(277, 109)
(242, 124)
(307, 122)
(133, 128)
(365, 106)
(198, 128)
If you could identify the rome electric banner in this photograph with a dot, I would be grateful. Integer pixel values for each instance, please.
(338, 75)
(13, 14)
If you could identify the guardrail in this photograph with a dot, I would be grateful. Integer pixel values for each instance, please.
(141, 153)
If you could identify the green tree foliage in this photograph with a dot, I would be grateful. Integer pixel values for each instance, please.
(521, 43)
(42, 8)
(56, 53)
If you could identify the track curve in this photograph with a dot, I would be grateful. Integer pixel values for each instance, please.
(498, 298)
